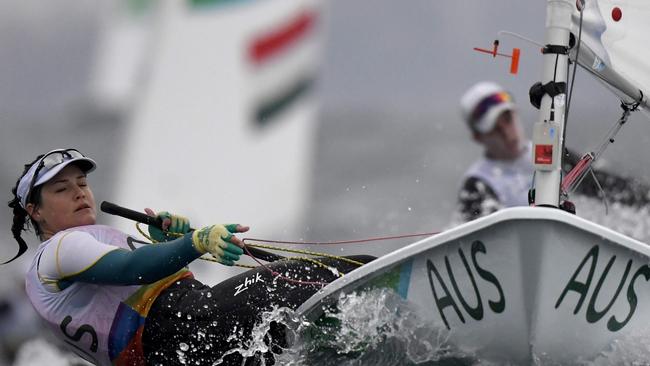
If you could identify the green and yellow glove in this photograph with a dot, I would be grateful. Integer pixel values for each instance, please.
(219, 241)
(172, 224)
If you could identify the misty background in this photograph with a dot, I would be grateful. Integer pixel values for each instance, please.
(390, 147)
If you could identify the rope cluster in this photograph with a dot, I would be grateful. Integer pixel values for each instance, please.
(297, 251)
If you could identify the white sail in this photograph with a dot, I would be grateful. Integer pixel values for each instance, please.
(120, 62)
(614, 45)
(222, 127)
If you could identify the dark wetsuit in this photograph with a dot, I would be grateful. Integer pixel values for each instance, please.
(191, 323)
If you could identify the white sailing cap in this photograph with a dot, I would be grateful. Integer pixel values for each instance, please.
(47, 167)
(482, 104)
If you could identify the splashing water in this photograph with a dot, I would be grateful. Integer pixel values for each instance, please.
(631, 221)
(258, 342)
(379, 328)
(631, 350)
(375, 327)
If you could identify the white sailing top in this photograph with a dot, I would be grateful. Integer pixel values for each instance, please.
(101, 323)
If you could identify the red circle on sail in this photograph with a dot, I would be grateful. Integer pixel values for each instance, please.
(617, 14)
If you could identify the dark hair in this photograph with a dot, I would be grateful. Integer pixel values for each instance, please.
(20, 222)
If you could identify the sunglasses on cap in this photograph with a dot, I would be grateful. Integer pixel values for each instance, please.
(49, 161)
(487, 103)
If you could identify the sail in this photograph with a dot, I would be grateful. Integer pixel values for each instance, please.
(121, 54)
(613, 45)
(222, 124)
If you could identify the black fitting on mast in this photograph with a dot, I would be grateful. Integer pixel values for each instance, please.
(555, 49)
(551, 88)
(631, 107)
(572, 40)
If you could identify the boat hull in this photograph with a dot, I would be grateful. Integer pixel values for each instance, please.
(517, 285)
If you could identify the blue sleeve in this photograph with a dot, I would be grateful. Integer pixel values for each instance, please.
(144, 265)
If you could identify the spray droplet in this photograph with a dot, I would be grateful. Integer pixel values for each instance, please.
(183, 347)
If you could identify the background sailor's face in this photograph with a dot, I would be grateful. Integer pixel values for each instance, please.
(505, 141)
(66, 201)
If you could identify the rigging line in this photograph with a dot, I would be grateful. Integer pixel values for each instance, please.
(343, 241)
(584, 165)
(277, 275)
(551, 116)
(601, 191)
(516, 35)
(306, 252)
(613, 131)
(573, 76)
(318, 283)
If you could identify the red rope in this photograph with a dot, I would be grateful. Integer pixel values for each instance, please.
(577, 171)
(317, 283)
(278, 275)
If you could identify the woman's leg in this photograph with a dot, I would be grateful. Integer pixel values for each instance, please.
(192, 322)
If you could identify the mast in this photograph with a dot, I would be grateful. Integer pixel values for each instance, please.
(548, 131)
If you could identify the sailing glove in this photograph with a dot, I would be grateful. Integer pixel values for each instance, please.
(219, 241)
(172, 224)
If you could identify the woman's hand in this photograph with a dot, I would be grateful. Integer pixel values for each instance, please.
(171, 224)
(219, 241)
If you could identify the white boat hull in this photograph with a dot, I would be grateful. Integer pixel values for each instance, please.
(516, 285)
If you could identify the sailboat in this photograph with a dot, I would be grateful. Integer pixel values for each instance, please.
(538, 282)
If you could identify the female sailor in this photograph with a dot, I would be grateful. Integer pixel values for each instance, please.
(114, 301)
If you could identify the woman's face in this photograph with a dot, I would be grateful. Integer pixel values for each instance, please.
(66, 201)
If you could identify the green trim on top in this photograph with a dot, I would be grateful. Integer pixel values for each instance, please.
(139, 7)
(271, 108)
(211, 3)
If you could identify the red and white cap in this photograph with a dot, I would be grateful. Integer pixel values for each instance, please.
(482, 104)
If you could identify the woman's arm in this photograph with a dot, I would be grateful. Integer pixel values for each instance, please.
(144, 265)
(79, 257)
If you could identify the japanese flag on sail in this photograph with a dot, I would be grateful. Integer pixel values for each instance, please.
(614, 42)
